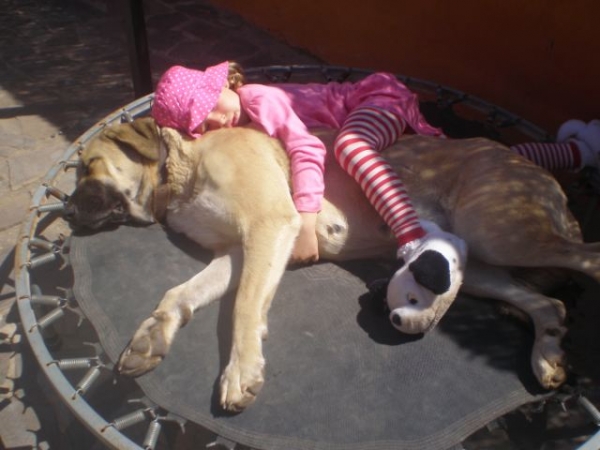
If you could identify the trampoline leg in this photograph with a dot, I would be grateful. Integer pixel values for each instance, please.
(592, 444)
(590, 409)
(222, 443)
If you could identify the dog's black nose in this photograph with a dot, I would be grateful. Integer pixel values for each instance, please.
(69, 211)
(396, 319)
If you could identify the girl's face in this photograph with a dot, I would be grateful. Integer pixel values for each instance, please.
(227, 113)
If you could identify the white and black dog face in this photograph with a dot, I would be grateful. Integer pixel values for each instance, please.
(421, 290)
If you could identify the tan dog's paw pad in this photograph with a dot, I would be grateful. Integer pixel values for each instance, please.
(551, 374)
(239, 387)
(147, 348)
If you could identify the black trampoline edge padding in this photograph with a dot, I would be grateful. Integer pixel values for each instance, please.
(338, 376)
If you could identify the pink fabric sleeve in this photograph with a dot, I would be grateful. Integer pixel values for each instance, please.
(271, 108)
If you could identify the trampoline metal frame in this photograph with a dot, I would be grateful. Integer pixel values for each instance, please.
(33, 252)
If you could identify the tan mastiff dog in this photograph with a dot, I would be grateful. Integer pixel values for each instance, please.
(229, 191)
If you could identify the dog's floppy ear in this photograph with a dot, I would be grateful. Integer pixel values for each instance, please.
(377, 294)
(432, 271)
(140, 135)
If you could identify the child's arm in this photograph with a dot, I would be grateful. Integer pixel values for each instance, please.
(272, 109)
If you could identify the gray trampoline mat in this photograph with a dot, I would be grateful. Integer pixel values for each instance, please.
(338, 375)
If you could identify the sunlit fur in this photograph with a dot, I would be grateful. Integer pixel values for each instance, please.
(230, 191)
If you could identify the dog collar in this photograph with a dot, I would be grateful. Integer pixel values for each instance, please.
(162, 191)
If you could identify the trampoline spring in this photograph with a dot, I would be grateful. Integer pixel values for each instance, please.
(49, 318)
(42, 243)
(221, 442)
(152, 435)
(499, 121)
(56, 193)
(128, 420)
(47, 300)
(126, 117)
(87, 381)
(445, 101)
(336, 75)
(70, 164)
(74, 363)
(590, 409)
(41, 260)
(278, 74)
(51, 207)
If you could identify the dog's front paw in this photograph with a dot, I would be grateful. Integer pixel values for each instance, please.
(548, 358)
(241, 381)
(149, 345)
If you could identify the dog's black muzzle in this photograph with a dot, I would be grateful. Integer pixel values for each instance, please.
(94, 205)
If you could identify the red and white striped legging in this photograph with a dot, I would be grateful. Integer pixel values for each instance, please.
(551, 155)
(367, 130)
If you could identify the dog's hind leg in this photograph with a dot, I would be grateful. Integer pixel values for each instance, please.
(267, 247)
(553, 251)
(581, 257)
(547, 315)
(152, 340)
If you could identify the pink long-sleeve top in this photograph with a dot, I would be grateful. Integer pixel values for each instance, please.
(270, 108)
(287, 111)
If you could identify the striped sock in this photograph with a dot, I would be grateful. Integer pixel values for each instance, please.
(550, 155)
(365, 133)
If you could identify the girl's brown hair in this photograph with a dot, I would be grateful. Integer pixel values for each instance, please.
(235, 78)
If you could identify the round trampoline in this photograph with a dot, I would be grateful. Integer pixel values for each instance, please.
(355, 385)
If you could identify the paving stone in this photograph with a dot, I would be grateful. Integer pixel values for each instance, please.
(37, 127)
(13, 434)
(14, 208)
(4, 178)
(6, 384)
(9, 236)
(26, 418)
(7, 100)
(12, 143)
(28, 167)
(12, 134)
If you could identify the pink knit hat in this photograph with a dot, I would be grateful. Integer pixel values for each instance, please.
(184, 97)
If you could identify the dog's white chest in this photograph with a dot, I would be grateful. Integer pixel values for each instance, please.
(204, 219)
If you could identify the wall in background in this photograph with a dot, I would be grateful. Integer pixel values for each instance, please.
(537, 58)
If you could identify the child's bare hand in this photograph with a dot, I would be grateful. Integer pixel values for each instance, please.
(306, 248)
